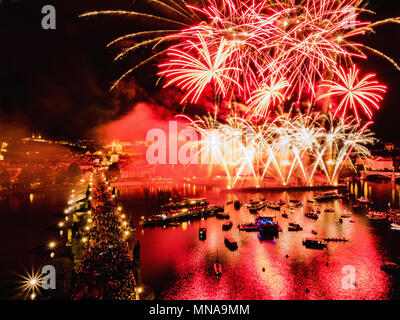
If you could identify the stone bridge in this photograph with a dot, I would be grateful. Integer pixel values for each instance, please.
(392, 175)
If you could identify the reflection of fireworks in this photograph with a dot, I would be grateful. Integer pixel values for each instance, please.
(354, 92)
(289, 148)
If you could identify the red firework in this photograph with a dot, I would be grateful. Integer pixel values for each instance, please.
(353, 93)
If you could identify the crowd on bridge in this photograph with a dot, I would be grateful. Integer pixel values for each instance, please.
(106, 270)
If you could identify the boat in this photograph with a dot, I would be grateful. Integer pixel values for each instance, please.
(310, 201)
(248, 227)
(364, 200)
(257, 205)
(202, 233)
(314, 243)
(352, 221)
(195, 210)
(274, 206)
(281, 202)
(285, 215)
(340, 220)
(346, 214)
(237, 204)
(311, 215)
(377, 216)
(294, 227)
(229, 202)
(221, 215)
(318, 210)
(336, 240)
(326, 196)
(174, 224)
(314, 232)
(231, 243)
(217, 267)
(329, 210)
(395, 226)
(390, 266)
(291, 210)
(267, 225)
(294, 201)
(227, 226)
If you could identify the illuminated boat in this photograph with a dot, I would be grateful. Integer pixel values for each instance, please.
(274, 206)
(314, 243)
(255, 206)
(364, 200)
(267, 225)
(202, 233)
(231, 243)
(326, 196)
(377, 216)
(395, 226)
(329, 210)
(346, 214)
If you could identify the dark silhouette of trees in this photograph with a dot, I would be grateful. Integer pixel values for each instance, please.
(113, 172)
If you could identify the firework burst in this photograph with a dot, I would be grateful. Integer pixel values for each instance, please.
(354, 93)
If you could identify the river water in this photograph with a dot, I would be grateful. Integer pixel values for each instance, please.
(177, 265)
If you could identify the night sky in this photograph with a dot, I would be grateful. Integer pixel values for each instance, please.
(57, 82)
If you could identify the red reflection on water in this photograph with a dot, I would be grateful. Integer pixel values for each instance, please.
(180, 266)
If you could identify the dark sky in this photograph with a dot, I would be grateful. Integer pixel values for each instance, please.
(56, 81)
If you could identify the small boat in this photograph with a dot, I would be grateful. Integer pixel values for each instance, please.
(291, 210)
(227, 226)
(318, 210)
(314, 232)
(325, 196)
(248, 227)
(202, 233)
(310, 201)
(217, 267)
(231, 243)
(364, 200)
(352, 221)
(340, 220)
(229, 202)
(314, 243)
(237, 204)
(346, 214)
(221, 215)
(285, 215)
(294, 201)
(336, 240)
(329, 210)
(274, 206)
(356, 206)
(390, 266)
(395, 226)
(281, 202)
(174, 224)
(254, 206)
(373, 215)
(294, 227)
(311, 215)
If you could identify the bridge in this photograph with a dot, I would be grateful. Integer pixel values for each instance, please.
(392, 175)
